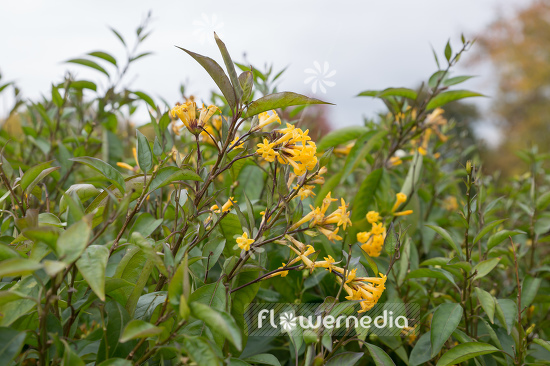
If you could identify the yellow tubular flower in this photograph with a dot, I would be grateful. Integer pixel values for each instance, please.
(400, 198)
(403, 213)
(395, 160)
(305, 191)
(207, 135)
(343, 150)
(125, 166)
(266, 119)
(280, 273)
(331, 235)
(244, 242)
(378, 229)
(234, 142)
(327, 263)
(373, 216)
(363, 236)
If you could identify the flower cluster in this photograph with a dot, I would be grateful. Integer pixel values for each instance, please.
(318, 218)
(373, 241)
(367, 289)
(187, 114)
(290, 146)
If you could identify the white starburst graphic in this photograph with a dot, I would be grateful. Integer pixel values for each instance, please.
(287, 320)
(320, 76)
(206, 26)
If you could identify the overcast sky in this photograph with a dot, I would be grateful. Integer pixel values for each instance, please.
(357, 45)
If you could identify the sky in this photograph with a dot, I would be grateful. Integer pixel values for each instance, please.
(333, 50)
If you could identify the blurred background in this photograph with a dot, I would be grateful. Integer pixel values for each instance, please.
(329, 50)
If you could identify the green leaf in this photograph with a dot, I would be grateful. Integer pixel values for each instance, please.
(144, 154)
(359, 151)
(31, 174)
(364, 199)
(444, 322)
(230, 66)
(490, 226)
(11, 343)
(507, 312)
(483, 268)
(116, 362)
(218, 321)
(136, 329)
(465, 351)
(83, 191)
(487, 302)
(83, 84)
(169, 174)
(88, 63)
(410, 184)
(456, 80)
(543, 201)
(529, 290)
(432, 273)
(73, 241)
(104, 56)
(421, 352)
(145, 97)
(264, 359)
(217, 74)
(105, 169)
(92, 265)
(398, 92)
(345, 359)
(448, 51)
(379, 356)
(18, 267)
(447, 237)
(56, 97)
(279, 100)
(340, 136)
(201, 351)
(500, 236)
(542, 343)
(450, 96)
(43, 174)
(70, 357)
(390, 92)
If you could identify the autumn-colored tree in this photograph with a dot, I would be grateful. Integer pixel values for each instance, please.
(519, 48)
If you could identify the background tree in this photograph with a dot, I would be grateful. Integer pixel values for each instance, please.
(519, 48)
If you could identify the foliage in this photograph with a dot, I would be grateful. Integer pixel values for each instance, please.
(118, 250)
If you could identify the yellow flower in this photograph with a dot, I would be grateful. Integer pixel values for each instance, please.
(305, 191)
(187, 114)
(450, 203)
(395, 160)
(400, 198)
(280, 273)
(343, 150)
(363, 236)
(244, 243)
(266, 119)
(378, 229)
(403, 213)
(234, 142)
(226, 206)
(327, 263)
(373, 216)
(330, 234)
(207, 135)
(125, 166)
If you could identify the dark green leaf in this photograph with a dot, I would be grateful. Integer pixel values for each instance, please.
(92, 265)
(11, 343)
(105, 169)
(345, 359)
(230, 66)
(104, 56)
(279, 100)
(144, 155)
(88, 63)
(444, 322)
(218, 321)
(217, 74)
(379, 356)
(136, 329)
(465, 351)
(450, 96)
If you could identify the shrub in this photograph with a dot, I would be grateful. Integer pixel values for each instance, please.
(118, 250)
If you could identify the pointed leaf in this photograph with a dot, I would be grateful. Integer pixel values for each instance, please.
(139, 329)
(105, 169)
(444, 322)
(279, 100)
(465, 351)
(92, 265)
